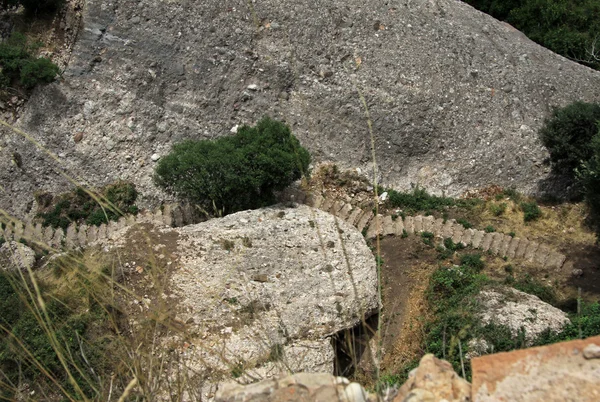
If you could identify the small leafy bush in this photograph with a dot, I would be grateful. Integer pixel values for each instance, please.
(427, 238)
(19, 63)
(466, 224)
(489, 229)
(498, 209)
(78, 206)
(531, 211)
(235, 172)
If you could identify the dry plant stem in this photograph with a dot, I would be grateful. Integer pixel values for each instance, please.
(132, 384)
(377, 241)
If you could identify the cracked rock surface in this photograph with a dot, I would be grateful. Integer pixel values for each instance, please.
(455, 96)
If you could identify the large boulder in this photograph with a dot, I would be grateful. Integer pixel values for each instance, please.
(520, 311)
(264, 291)
(455, 96)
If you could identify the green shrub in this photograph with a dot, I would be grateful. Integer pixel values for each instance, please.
(529, 285)
(420, 200)
(531, 211)
(37, 71)
(466, 224)
(235, 172)
(77, 206)
(498, 209)
(489, 229)
(19, 63)
(568, 133)
(589, 177)
(568, 28)
(427, 238)
(472, 261)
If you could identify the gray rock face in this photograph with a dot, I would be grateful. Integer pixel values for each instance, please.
(455, 96)
(263, 290)
(516, 310)
(16, 256)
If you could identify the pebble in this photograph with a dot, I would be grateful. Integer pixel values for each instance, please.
(234, 129)
(155, 157)
(252, 87)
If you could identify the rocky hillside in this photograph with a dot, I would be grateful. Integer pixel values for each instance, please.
(455, 96)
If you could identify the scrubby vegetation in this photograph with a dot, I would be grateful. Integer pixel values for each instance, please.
(451, 296)
(93, 208)
(569, 28)
(420, 200)
(572, 136)
(236, 172)
(34, 6)
(19, 64)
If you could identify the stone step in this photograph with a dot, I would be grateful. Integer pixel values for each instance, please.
(344, 213)
(82, 235)
(315, 200)
(542, 254)
(477, 238)
(523, 244)
(530, 251)
(355, 216)
(167, 214)
(495, 244)
(375, 228)
(555, 260)
(447, 229)
(503, 249)
(57, 239)
(327, 204)
(364, 220)
(48, 235)
(487, 241)
(428, 222)
(418, 222)
(457, 233)
(409, 225)
(336, 208)
(71, 237)
(92, 234)
(467, 237)
(101, 233)
(388, 226)
(512, 247)
(398, 226)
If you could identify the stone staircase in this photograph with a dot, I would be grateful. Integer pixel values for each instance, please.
(495, 243)
(81, 236)
(177, 215)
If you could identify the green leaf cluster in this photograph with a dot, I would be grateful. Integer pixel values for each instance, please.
(567, 27)
(236, 172)
(18, 63)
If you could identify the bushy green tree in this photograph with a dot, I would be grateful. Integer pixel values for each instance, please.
(235, 172)
(567, 27)
(589, 176)
(567, 134)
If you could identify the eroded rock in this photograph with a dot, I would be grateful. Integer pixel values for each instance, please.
(265, 290)
(518, 310)
(16, 256)
(434, 380)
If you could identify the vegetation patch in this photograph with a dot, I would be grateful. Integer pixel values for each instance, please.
(237, 172)
(91, 207)
(21, 66)
(420, 200)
